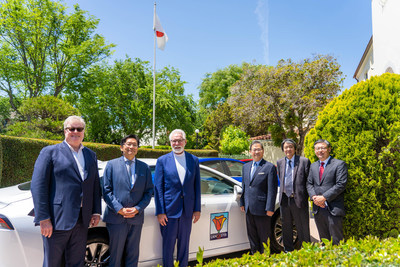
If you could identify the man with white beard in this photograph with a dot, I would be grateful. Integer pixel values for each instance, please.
(177, 195)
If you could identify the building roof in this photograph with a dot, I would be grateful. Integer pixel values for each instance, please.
(369, 45)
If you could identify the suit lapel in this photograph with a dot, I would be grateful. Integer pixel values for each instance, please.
(326, 169)
(68, 153)
(189, 166)
(172, 163)
(126, 177)
(262, 162)
(296, 166)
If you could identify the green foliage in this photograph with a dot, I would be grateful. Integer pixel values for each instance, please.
(18, 156)
(363, 125)
(234, 141)
(45, 116)
(5, 113)
(284, 99)
(370, 251)
(44, 50)
(118, 100)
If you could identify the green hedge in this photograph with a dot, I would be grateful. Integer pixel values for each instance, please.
(18, 156)
(363, 125)
(370, 251)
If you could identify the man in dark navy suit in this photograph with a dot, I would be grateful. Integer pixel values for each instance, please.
(177, 196)
(259, 187)
(127, 190)
(326, 184)
(66, 196)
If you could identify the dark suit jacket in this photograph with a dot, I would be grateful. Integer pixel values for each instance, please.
(58, 190)
(118, 194)
(300, 175)
(170, 194)
(332, 185)
(259, 195)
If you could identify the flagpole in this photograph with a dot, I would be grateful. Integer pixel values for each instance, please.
(154, 82)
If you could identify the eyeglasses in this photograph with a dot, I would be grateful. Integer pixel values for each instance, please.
(131, 145)
(320, 148)
(78, 129)
(257, 150)
(177, 141)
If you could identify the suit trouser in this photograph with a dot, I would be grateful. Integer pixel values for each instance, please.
(290, 212)
(177, 229)
(69, 243)
(258, 231)
(124, 237)
(329, 227)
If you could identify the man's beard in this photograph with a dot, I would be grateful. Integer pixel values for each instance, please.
(178, 150)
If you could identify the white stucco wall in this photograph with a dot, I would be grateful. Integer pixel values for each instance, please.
(386, 36)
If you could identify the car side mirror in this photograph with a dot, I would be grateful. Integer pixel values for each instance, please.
(237, 191)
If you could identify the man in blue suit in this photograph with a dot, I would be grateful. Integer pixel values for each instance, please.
(177, 197)
(259, 185)
(127, 190)
(66, 196)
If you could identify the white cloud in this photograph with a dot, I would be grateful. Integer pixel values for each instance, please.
(262, 12)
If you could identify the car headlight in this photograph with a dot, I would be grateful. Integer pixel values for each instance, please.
(5, 223)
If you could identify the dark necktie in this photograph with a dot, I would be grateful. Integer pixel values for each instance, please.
(321, 171)
(289, 180)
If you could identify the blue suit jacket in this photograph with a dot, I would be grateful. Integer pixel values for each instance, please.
(170, 196)
(118, 194)
(259, 194)
(58, 190)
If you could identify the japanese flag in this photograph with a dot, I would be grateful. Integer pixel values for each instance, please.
(161, 35)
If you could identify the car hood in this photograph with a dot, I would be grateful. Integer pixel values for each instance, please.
(14, 193)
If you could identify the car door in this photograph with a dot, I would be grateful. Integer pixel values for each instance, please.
(221, 228)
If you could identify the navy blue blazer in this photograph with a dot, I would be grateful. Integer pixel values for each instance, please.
(118, 194)
(259, 194)
(170, 196)
(58, 190)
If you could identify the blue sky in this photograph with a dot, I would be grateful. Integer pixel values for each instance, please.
(208, 35)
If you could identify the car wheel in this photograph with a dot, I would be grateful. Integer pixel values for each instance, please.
(277, 240)
(97, 252)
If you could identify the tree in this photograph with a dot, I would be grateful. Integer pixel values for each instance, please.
(234, 141)
(363, 126)
(285, 99)
(46, 115)
(216, 123)
(117, 100)
(43, 50)
(214, 88)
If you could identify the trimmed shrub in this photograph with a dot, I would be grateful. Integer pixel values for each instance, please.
(234, 141)
(363, 125)
(370, 251)
(18, 156)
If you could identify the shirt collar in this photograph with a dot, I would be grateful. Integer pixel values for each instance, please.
(72, 149)
(325, 161)
(133, 160)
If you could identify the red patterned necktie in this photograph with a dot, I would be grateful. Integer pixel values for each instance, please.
(321, 171)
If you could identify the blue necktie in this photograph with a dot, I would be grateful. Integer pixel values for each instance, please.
(253, 170)
(129, 163)
(289, 180)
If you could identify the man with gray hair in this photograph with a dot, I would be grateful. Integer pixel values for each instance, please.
(325, 185)
(293, 197)
(66, 196)
(177, 195)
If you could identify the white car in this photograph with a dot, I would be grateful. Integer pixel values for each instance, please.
(220, 230)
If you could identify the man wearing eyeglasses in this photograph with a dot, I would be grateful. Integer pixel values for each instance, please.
(259, 185)
(177, 197)
(325, 185)
(127, 190)
(66, 196)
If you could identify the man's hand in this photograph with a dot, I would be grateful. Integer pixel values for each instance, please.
(196, 216)
(319, 201)
(128, 212)
(162, 219)
(242, 208)
(270, 213)
(46, 228)
(94, 221)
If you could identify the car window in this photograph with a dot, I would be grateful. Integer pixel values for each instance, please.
(235, 168)
(214, 164)
(214, 184)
